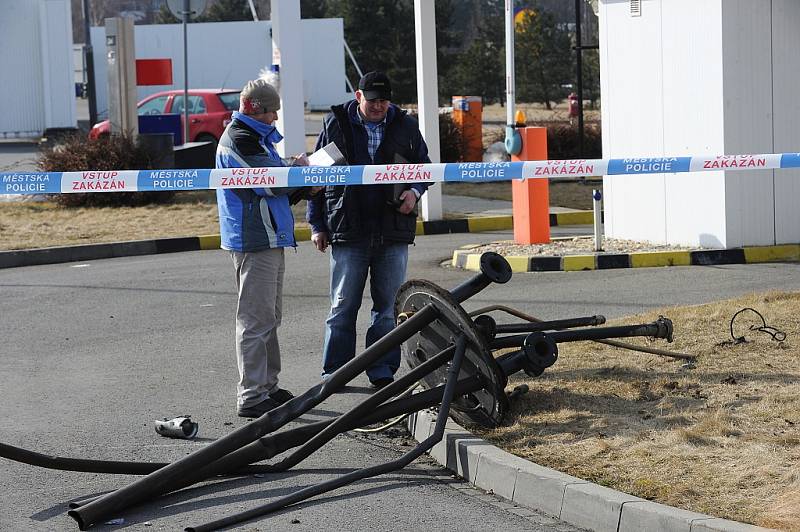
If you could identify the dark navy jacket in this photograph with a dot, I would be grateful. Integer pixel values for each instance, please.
(365, 213)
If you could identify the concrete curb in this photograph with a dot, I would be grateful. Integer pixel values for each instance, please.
(468, 260)
(575, 501)
(56, 255)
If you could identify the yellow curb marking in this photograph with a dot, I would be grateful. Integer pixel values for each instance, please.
(473, 262)
(660, 258)
(302, 234)
(572, 263)
(772, 253)
(518, 264)
(209, 242)
(575, 218)
(490, 223)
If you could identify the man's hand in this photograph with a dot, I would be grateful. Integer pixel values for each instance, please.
(409, 199)
(320, 240)
(316, 190)
(300, 160)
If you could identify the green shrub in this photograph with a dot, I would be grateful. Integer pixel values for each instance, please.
(563, 140)
(76, 153)
(451, 140)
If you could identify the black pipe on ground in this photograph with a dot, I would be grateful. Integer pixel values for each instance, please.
(157, 481)
(324, 487)
(661, 328)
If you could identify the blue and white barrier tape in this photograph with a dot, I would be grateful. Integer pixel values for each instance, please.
(158, 180)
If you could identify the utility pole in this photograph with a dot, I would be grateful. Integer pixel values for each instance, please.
(89, 55)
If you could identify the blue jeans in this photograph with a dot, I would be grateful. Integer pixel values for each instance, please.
(350, 264)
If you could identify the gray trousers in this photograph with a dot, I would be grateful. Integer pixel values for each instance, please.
(259, 281)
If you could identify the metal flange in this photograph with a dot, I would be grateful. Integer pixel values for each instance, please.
(485, 407)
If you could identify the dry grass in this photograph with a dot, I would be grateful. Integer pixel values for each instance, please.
(573, 195)
(722, 438)
(26, 225)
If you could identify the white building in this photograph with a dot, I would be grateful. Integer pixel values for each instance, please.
(228, 54)
(696, 77)
(37, 91)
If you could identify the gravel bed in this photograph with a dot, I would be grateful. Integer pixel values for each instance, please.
(575, 246)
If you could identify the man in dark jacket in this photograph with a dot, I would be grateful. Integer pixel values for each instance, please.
(368, 227)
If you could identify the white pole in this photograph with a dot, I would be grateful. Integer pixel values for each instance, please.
(597, 198)
(253, 11)
(509, 62)
(428, 97)
(185, 17)
(287, 54)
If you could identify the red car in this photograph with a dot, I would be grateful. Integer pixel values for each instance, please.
(209, 111)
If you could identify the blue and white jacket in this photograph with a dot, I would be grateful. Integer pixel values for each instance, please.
(252, 219)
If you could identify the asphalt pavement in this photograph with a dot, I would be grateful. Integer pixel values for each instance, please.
(94, 352)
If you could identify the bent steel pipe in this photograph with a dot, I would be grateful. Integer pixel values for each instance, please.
(494, 269)
(154, 483)
(661, 328)
(324, 487)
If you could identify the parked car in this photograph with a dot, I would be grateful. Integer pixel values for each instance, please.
(209, 111)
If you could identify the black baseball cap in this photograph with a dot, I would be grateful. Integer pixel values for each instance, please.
(375, 86)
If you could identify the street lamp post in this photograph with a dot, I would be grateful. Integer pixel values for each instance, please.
(579, 48)
(89, 55)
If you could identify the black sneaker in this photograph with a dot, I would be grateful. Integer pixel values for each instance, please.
(281, 396)
(259, 409)
(382, 382)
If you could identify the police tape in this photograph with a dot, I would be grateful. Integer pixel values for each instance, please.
(303, 176)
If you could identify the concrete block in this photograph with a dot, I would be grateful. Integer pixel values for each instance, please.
(497, 471)
(715, 524)
(594, 507)
(637, 516)
(542, 488)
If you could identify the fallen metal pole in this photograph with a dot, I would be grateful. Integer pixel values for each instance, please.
(661, 328)
(254, 451)
(494, 268)
(154, 483)
(589, 321)
(324, 487)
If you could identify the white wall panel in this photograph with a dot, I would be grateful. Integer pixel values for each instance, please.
(632, 118)
(21, 96)
(747, 94)
(228, 54)
(693, 119)
(59, 86)
(786, 112)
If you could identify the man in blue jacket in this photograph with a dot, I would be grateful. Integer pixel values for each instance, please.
(368, 227)
(256, 224)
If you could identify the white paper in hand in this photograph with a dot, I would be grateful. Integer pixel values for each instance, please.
(328, 155)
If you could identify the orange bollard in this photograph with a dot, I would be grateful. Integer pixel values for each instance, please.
(531, 198)
(468, 116)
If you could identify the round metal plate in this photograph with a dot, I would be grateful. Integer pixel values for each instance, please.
(485, 407)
